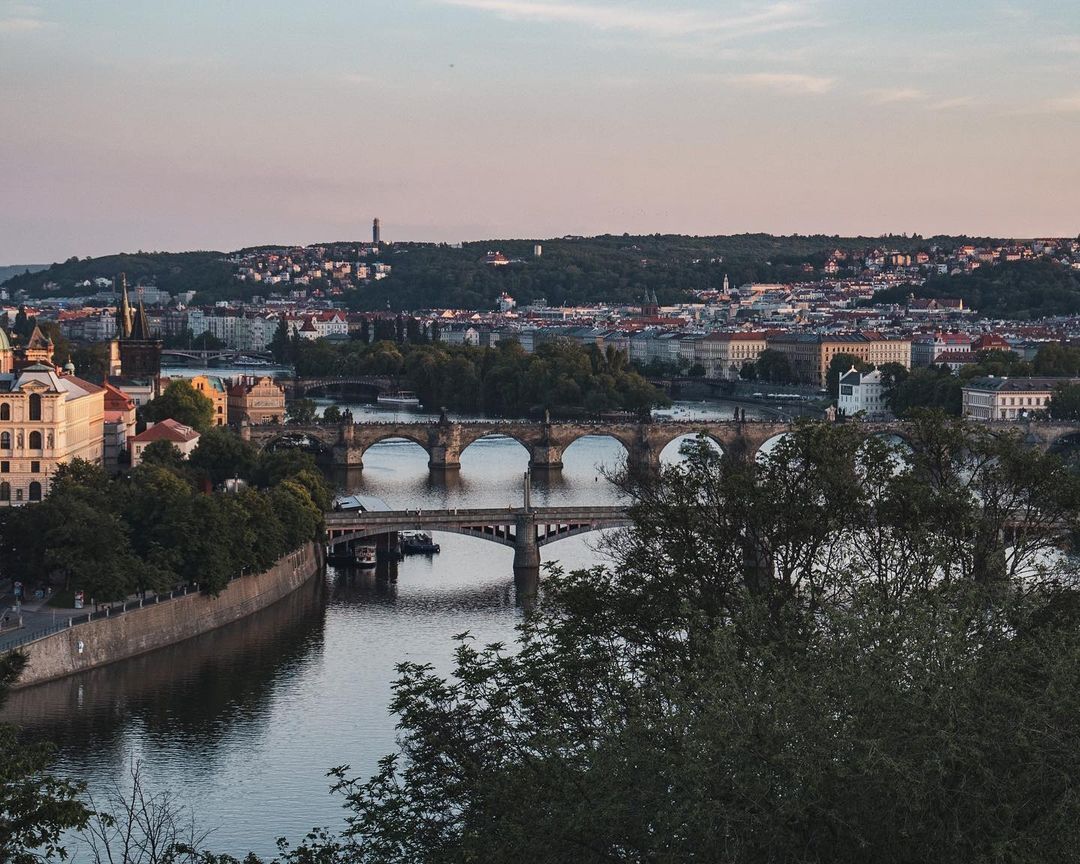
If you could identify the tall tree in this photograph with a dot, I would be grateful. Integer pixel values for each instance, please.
(183, 403)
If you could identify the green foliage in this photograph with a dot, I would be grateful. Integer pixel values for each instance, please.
(1065, 403)
(790, 660)
(205, 272)
(772, 367)
(1018, 290)
(164, 454)
(301, 412)
(36, 808)
(151, 530)
(504, 381)
(182, 403)
(840, 365)
(221, 455)
(934, 387)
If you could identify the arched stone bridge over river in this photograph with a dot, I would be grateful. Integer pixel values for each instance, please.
(445, 441)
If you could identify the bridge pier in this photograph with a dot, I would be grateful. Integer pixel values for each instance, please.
(442, 457)
(347, 455)
(526, 555)
(642, 461)
(545, 457)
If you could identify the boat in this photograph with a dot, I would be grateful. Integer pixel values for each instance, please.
(417, 543)
(400, 398)
(357, 556)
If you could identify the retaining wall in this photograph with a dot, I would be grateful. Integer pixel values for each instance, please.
(105, 640)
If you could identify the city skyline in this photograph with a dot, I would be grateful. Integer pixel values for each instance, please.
(124, 127)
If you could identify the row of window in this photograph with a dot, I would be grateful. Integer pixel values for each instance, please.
(1013, 400)
(35, 467)
(34, 441)
(32, 492)
(35, 408)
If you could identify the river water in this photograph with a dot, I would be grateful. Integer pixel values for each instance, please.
(242, 724)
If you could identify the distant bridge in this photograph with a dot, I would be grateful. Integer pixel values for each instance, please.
(525, 529)
(297, 388)
(445, 441)
(233, 354)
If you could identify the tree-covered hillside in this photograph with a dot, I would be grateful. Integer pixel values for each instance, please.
(613, 268)
(1021, 290)
(170, 271)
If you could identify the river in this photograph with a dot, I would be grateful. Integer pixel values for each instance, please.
(242, 724)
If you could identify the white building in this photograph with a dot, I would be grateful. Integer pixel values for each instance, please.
(1009, 398)
(862, 393)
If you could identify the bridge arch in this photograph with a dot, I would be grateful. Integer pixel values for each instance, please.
(495, 435)
(324, 438)
(397, 434)
(669, 453)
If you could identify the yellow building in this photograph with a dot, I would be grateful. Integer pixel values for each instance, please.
(213, 388)
(256, 401)
(46, 420)
(810, 354)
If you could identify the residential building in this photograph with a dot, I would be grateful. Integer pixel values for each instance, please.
(862, 393)
(1008, 398)
(119, 426)
(213, 388)
(256, 400)
(724, 354)
(46, 420)
(810, 354)
(183, 438)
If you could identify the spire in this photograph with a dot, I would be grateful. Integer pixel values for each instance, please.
(140, 329)
(123, 313)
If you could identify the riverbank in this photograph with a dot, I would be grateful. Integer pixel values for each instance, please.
(102, 641)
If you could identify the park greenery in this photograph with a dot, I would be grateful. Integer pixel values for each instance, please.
(156, 528)
(829, 653)
(504, 381)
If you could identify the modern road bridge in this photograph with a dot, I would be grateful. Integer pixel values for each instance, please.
(524, 529)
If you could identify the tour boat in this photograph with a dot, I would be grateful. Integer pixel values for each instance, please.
(400, 398)
(358, 556)
(417, 542)
(366, 556)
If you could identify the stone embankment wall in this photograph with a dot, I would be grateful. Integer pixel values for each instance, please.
(95, 643)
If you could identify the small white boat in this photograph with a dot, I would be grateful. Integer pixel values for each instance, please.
(366, 556)
(400, 398)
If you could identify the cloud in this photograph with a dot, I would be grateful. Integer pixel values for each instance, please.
(955, 102)
(356, 78)
(889, 95)
(1062, 105)
(21, 25)
(659, 22)
(785, 82)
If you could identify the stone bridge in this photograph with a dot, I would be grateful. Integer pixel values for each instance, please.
(445, 441)
(201, 356)
(525, 529)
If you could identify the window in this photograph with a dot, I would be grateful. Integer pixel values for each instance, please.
(35, 440)
(35, 491)
(35, 406)
(5, 491)
(35, 467)
(5, 467)
(5, 440)
(5, 410)
(18, 494)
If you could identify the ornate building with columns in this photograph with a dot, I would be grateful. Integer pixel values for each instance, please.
(46, 419)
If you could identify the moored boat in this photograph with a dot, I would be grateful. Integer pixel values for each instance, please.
(400, 398)
(417, 543)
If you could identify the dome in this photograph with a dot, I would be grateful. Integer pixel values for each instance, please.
(69, 367)
(5, 343)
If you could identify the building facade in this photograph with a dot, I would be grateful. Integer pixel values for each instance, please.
(1009, 398)
(183, 438)
(46, 420)
(213, 388)
(256, 401)
(810, 354)
(862, 393)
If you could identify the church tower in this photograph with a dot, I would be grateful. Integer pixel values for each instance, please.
(140, 353)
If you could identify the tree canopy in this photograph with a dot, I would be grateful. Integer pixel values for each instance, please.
(182, 403)
(827, 654)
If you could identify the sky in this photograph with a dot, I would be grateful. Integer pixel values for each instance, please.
(127, 124)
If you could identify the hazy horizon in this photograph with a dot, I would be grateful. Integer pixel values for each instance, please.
(126, 125)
